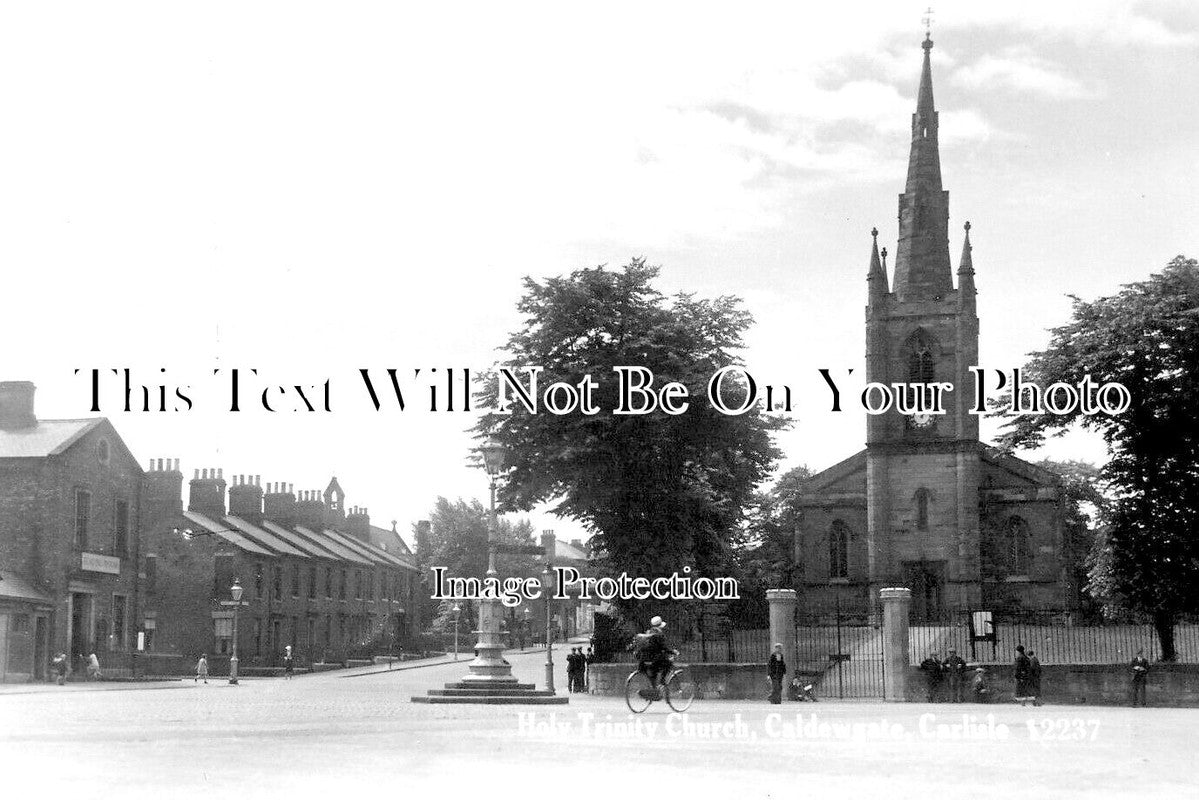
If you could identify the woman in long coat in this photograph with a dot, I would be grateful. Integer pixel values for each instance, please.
(1023, 667)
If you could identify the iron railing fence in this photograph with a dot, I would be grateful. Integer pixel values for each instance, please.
(1056, 637)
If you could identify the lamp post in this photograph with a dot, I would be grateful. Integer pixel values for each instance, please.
(235, 591)
(489, 666)
(528, 629)
(547, 587)
(457, 614)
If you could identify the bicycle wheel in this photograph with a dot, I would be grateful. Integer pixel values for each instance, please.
(680, 690)
(638, 692)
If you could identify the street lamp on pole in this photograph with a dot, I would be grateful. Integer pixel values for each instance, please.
(547, 587)
(457, 614)
(489, 666)
(236, 592)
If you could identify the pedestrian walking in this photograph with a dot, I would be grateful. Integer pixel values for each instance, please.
(93, 668)
(60, 665)
(1140, 678)
(776, 670)
(932, 669)
(1020, 674)
(955, 673)
(289, 665)
(588, 660)
(202, 668)
(1034, 678)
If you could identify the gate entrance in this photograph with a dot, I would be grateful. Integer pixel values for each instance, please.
(840, 651)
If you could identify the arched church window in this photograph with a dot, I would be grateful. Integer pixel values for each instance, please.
(838, 550)
(922, 509)
(1018, 546)
(920, 359)
(920, 351)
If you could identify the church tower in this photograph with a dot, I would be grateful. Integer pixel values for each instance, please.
(926, 504)
(922, 469)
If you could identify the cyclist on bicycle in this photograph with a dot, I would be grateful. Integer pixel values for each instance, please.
(654, 657)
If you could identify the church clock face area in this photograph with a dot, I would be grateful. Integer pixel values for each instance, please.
(926, 502)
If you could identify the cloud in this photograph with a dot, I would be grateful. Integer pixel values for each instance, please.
(1018, 69)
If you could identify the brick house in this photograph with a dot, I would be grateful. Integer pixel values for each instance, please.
(311, 576)
(70, 494)
(927, 505)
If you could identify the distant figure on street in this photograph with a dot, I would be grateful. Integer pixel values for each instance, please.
(572, 667)
(588, 660)
(1022, 667)
(1034, 678)
(202, 668)
(60, 668)
(979, 687)
(931, 667)
(776, 670)
(93, 668)
(955, 673)
(1140, 678)
(289, 664)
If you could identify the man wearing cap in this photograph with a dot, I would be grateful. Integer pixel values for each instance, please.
(776, 670)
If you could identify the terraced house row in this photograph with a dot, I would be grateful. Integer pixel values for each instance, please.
(98, 555)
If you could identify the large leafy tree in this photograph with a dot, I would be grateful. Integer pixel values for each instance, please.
(1147, 338)
(767, 553)
(1087, 506)
(457, 540)
(659, 491)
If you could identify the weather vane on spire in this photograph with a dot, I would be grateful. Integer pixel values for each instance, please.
(927, 19)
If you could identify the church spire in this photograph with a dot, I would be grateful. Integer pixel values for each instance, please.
(966, 290)
(922, 269)
(876, 278)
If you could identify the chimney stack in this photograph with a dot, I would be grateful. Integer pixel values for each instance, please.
(245, 498)
(207, 493)
(358, 524)
(279, 504)
(16, 405)
(311, 511)
(164, 491)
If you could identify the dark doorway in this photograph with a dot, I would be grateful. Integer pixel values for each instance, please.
(80, 616)
(926, 579)
(40, 656)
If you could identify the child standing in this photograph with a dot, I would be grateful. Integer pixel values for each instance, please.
(202, 668)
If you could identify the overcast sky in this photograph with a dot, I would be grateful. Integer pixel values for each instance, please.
(311, 189)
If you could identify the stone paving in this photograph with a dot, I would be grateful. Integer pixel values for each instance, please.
(328, 735)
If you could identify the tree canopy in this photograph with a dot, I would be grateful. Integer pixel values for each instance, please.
(1147, 338)
(658, 491)
(457, 540)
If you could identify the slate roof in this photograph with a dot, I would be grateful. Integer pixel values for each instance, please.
(221, 531)
(343, 553)
(48, 437)
(259, 535)
(15, 587)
